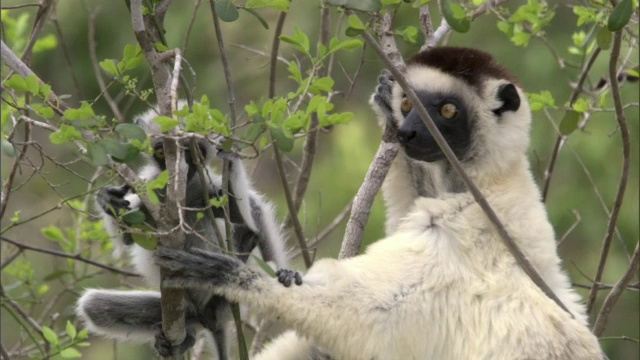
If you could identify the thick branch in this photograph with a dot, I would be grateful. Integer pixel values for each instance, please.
(387, 152)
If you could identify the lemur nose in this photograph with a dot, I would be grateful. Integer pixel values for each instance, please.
(404, 136)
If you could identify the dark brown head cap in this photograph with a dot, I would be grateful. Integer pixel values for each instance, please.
(469, 65)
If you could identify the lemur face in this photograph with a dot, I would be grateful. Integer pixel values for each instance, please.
(465, 93)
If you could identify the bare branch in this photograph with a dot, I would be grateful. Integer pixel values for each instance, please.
(387, 152)
(8, 184)
(61, 254)
(626, 153)
(38, 24)
(614, 294)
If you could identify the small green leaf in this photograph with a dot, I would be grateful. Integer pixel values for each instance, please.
(71, 330)
(50, 335)
(166, 123)
(53, 233)
(160, 47)
(280, 5)
(620, 15)
(581, 105)
(335, 119)
(133, 217)
(131, 131)
(65, 134)
(56, 275)
(16, 216)
(8, 149)
(98, 154)
(258, 16)
(348, 45)
(253, 132)
(33, 85)
(283, 142)
(157, 184)
(43, 110)
(47, 42)
(226, 10)
(355, 26)
(42, 289)
(109, 65)
(218, 202)
(16, 82)
(569, 122)
(604, 38)
(264, 266)
(85, 111)
(362, 5)
(199, 216)
(451, 13)
(70, 353)
(83, 334)
(147, 242)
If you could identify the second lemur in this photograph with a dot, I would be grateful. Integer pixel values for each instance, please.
(441, 285)
(136, 315)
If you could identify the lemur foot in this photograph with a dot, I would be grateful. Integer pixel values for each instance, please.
(286, 277)
(111, 199)
(165, 348)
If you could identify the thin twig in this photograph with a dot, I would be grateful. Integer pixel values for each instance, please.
(626, 153)
(38, 24)
(77, 257)
(243, 352)
(614, 294)
(455, 164)
(97, 71)
(6, 188)
(560, 140)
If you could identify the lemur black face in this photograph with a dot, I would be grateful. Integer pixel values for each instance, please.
(450, 115)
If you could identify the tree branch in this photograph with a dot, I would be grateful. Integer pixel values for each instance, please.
(61, 254)
(626, 153)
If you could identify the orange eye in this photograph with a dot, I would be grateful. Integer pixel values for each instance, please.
(405, 105)
(448, 111)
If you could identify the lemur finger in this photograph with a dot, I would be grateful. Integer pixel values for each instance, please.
(286, 277)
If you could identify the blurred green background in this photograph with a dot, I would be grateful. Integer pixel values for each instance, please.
(345, 152)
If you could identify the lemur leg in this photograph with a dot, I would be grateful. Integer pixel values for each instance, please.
(214, 317)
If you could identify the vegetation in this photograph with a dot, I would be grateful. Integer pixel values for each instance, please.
(287, 84)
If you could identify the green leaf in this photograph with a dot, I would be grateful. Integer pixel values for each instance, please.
(410, 34)
(50, 335)
(283, 142)
(299, 40)
(65, 134)
(70, 353)
(521, 38)
(451, 13)
(264, 266)
(98, 154)
(581, 105)
(323, 84)
(156, 184)
(133, 217)
(218, 202)
(160, 47)
(347, 45)
(16, 82)
(8, 149)
(109, 65)
(362, 5)
(43, 110)
(253, 132)
(53, 233)
(258, 16)
(335, 119)
(131, 131)
(71, 330)
(33, 85)
(620, 15)
(148, 242)
(85, 111)
(47, 42)
(226, 10)
(541, 100)
(569, 122)
(166, 123)
(56, 275)
(355, 26)
(296, 75)
(280, 5)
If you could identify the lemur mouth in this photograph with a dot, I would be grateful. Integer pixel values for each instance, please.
(430, 154)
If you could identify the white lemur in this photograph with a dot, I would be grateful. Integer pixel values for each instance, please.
(441, 285)
(136, 315)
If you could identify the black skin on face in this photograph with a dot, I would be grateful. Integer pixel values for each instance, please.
(457, 129)
(158, 155)
(416, 139)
